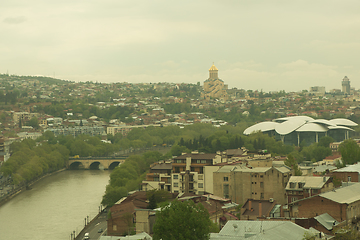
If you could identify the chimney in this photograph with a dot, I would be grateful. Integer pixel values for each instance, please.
(260, 210)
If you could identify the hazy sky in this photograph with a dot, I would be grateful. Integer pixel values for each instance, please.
(266, 44)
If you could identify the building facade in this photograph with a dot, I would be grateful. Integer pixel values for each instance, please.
(240, 183)
(345, 85)
(215, 87)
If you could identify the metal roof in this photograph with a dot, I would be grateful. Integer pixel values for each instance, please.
(312, 127)
(289, 126)
(343, 122)
(266, 230)
(327, 221)
(345, 194)
(286, 125)
(323, 121)
(306, 118)
(350, 168)
(262, 127)
(340, 127)
(309, 182)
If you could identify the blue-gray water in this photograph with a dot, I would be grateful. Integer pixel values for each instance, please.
(54, 207)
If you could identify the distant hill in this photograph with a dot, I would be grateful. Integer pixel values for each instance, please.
(42, 79)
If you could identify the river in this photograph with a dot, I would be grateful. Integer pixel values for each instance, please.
(54, 207)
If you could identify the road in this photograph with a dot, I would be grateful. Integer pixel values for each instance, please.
(93, 227)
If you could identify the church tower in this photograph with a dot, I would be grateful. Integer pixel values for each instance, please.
(214, 87)
(213, 72)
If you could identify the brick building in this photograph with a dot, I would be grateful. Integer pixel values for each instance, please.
(122, 214)
(348, 174)
(300, 187)
(343, 204)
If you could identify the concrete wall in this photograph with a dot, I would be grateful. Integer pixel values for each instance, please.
(209, 178)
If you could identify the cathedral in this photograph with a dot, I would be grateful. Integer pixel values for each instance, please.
(214, 87)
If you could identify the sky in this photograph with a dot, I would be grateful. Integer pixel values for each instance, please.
(267, 45)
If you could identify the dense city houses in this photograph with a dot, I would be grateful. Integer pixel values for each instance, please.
(234, 185)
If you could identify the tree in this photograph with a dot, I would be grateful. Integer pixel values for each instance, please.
(182, 220)
(350, 152)
(291, 162)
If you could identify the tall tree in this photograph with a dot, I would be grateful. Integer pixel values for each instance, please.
(182, 221)
(350, 152)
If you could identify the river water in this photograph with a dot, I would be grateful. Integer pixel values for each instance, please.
(54, 207)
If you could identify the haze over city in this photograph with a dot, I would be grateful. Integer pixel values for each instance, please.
(258, 45)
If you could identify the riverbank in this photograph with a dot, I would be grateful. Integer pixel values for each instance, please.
(20, 189)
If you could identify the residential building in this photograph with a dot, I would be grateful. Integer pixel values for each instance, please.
(265, 230)
(159, 177)
(122, 214)
(348, 174)
(78, 130)
(125, 129)
(259, 209)
(240, 183)
(318, 91)
(323, 223)
(343, 204)
(300, 187)
(188, 174)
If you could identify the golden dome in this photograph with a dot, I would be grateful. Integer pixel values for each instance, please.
(213, 68)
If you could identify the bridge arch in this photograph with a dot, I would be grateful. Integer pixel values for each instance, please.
(76, 165)
(114, 164)
(96, 166)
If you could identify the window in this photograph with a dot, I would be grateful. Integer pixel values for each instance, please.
(178, 161)
(261, 184)
(203, 161)
(114, 227)
(226, 179)
(198, 161)
(156, 179)
(200, 185)
(293, 199)
(175, 176)
(176, 184)
(261, 195)
(349, 178)
(177, 169)
(301, 185)
(292, 185)
(261, 176)
(201, 177)
(315, 190)
(226, 190)
(192, 169)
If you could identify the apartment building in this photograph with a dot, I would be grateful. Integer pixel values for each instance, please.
(188, 175)
(240, 183)
(300, 187)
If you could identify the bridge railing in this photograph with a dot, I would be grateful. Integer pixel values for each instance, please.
(97, 158)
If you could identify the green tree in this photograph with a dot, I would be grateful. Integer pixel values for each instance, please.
(350, 152)
(182, 221)
(291, 162)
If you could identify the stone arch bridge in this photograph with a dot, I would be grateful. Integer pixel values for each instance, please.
(95, 162)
